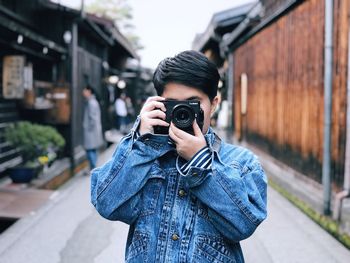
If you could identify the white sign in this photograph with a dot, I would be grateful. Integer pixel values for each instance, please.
(13, 77)
(28, 77)
(244, 93)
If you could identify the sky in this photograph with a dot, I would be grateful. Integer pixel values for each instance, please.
(167, 27)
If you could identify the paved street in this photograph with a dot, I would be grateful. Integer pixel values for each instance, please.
(67, 229)
(289, 236)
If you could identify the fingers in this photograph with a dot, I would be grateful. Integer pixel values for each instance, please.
(158, 122)
(178, 133)
(196, 129)
(173, 136)
(156, 117)
(151, 105)
(154, 102)
(154, 98)
(152, 114)
(156, 114)
(187, 145)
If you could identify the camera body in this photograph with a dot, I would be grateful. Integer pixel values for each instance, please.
(182, 114)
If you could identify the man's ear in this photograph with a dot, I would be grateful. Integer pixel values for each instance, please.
(214, 103)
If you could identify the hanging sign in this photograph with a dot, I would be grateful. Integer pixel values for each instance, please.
(13, 77)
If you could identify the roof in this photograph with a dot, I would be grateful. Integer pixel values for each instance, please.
(30, 34)
(232, 15)
(255, 22)
(112, 36)
(114, 31)
(221, 23)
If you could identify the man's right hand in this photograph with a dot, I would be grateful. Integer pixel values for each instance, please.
(152, 114)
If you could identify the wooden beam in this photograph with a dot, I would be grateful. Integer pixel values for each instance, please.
(19, 29)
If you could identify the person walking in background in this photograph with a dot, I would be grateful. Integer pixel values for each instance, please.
(92, 129)
(130, 109)
(121, 112)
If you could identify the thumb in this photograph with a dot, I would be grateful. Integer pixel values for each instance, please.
(196, 129)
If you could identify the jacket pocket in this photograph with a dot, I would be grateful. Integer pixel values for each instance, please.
(137, 251)
(211, 249)
(150, 196)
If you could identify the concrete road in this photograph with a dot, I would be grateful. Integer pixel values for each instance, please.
(68, 230)
(289, 236)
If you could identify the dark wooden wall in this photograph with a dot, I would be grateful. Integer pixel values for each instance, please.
(9, 156)
(285, 66)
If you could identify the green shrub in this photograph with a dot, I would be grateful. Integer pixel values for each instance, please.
(34, 140)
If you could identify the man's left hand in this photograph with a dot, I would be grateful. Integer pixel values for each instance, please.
(187, 145)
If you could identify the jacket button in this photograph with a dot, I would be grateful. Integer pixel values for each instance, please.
(182, 193)
(195, 174)
(175, 237)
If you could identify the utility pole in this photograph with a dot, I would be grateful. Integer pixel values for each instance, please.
(327, 134)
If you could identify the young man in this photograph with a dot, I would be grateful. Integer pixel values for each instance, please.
(187, 198)
(92, 129)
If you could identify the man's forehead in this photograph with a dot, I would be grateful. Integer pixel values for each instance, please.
(181, 92)
(185, 98)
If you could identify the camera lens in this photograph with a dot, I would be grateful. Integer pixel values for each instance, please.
(183, 116)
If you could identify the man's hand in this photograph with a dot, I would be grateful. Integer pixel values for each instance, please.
(152, 114)
(187, 145)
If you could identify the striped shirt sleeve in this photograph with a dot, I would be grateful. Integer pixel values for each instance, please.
(201, 159)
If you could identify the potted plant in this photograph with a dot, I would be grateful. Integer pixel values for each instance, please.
(38, 145)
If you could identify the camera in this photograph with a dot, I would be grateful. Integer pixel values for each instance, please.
(182, 114)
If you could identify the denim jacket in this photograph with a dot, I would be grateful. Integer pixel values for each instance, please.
(200, 217)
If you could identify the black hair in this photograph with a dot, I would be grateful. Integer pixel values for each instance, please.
(189, 68)
(91, 89)
(93, 92)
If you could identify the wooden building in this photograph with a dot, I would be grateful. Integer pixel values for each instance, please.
(281, 62)
(58, 50)
(276, 60)
(209, 41)
(20, 41)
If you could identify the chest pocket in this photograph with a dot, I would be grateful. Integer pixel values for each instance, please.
(151, 191)
(137, 251)
(211, 249)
